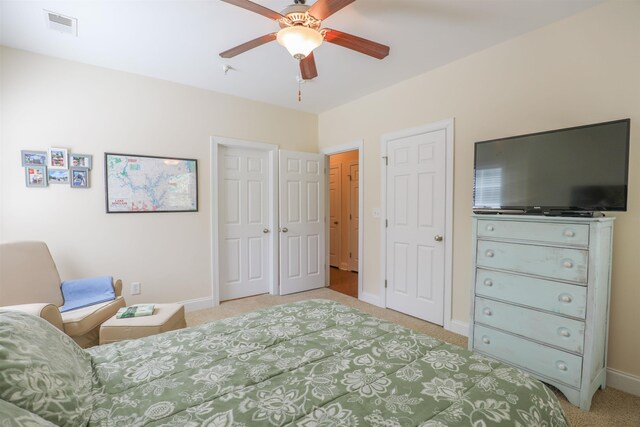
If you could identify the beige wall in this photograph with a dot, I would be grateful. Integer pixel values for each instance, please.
(49, 102)
(345, 160)
(582, 70)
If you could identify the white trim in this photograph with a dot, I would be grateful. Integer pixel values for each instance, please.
(216, 142)
(459, 327)
(448, 126)
(371, 299)
(197, 304)
(624, 382)
(356, 145)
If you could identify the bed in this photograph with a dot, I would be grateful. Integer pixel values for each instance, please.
(311, 363)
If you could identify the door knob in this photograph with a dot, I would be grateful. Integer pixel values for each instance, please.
(335, 222)
(265, 231)
(438, 238)
(285, 229)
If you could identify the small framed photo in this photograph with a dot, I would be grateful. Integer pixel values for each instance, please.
(33, 158)
(58, 158)
(35, 176)
(55, 176)
(80, 160)
(79, 177)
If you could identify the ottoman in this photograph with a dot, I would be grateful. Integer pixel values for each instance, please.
(165, 317)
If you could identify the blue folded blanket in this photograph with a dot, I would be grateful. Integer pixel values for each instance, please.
(85, 292)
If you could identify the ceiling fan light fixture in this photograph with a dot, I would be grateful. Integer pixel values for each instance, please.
(299, 40)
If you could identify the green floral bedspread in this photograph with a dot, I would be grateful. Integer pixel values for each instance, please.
(312, 363)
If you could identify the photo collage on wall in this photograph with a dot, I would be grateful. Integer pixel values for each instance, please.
(56, 166)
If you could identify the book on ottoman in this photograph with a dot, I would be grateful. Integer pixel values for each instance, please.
(135, 311)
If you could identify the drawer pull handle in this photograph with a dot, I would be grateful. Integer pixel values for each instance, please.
(488, 282)
(489, 253)
(569, 233)
(565, 332)
(562, 366)
(566, 298)
(490, 228)
(568, 264)
(486, 340)
(487, 312)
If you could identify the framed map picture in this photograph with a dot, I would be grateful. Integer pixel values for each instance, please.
(137, 183)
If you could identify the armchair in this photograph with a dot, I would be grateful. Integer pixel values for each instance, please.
(29, 282)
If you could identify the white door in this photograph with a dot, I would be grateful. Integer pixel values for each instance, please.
(335, 198)
(354, 221)
(302, 222)
(244, 236)
(416, 208)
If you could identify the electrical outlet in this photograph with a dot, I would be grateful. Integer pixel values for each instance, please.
(377, 213)
(135, 288)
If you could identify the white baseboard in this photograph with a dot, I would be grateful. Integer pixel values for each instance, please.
(198, 304)
(371, 299)
(459, 327)
(623, 381)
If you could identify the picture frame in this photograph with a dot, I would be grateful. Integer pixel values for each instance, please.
(58, 176)
(79, 177)
(33, 158)
(35, 176)
(80, 160)
(150, 184)
(58, 158)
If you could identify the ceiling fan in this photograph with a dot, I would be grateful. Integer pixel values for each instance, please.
(300, 32)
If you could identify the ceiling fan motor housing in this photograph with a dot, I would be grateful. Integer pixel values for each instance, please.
(296, 14)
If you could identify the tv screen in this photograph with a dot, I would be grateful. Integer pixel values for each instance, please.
(578, 169)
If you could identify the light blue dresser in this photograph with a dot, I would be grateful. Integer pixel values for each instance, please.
(540, 297)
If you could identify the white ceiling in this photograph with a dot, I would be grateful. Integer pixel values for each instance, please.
(179, 41)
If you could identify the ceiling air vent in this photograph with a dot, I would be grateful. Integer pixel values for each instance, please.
(61, 23)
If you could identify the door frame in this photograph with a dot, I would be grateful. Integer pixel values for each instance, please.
(328, 198)
(448, 126)
(355, 145)
(216, 143)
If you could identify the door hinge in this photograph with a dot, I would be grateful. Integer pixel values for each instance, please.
(385, 283)
(386, 223)
(386, 160)
(349, 216)
(350, 255)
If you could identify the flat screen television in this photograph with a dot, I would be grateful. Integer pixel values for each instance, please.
(577, 170)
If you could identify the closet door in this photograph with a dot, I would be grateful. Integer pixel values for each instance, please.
(302, 222)
(244, 218)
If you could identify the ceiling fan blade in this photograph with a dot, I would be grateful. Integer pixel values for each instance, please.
(308, 67)
(254, 7)
(248, 45)
(322, 9)
(356, 43)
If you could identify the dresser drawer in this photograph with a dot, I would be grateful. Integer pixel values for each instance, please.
(550, 362)
(570, 234)
(546, 261)
(557, 297)
(547, 328)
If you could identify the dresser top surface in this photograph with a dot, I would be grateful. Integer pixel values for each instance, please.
(542, 218)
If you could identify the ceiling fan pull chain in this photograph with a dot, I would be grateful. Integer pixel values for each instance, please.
(300, 90)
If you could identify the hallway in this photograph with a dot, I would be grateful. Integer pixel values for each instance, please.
(345, 282)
